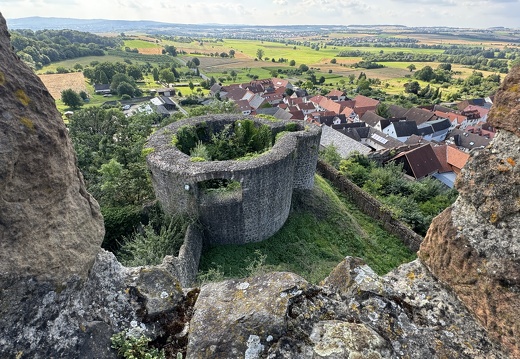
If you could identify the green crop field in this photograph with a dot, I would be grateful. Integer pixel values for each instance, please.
(139, 44)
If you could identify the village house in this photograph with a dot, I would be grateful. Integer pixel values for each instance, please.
(452, 160)
(418, 162)
(466, 141)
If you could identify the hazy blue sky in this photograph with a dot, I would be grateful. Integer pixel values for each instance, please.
(463, 13)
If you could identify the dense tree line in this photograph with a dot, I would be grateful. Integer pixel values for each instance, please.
(39, 48)
(109, 148)
(476, 57)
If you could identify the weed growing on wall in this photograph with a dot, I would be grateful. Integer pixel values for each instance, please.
(135, 347)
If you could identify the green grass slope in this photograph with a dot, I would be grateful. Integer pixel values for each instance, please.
(322, 229)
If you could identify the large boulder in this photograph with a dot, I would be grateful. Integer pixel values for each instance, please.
(474, 246)
(50, 228)
(240, 318)
(354, 314)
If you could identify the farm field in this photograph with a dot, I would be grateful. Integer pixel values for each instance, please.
(389, 79)
(56, 83)
(83, 61)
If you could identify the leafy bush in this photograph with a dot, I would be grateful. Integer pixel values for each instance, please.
(330, 155)
(413, 202)
(234, 141)
(150, 245)
(131, 347)
(119, 223)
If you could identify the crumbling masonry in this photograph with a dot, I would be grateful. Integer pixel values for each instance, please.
(261, 206)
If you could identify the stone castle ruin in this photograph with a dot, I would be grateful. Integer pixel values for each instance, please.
(259, 204)
(62, 296)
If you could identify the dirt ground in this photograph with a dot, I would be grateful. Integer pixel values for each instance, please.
(56, 83)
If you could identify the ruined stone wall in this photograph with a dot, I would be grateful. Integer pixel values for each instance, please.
(371, 206)
(186, 265)
(306, 159)
(267, 181)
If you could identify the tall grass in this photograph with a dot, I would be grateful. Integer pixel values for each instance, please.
(322, 229)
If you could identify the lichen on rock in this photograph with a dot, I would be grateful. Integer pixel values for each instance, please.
(474, 246)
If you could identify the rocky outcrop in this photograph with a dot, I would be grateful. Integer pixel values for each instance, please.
(50, 227)
(353, 314)
(474, 246)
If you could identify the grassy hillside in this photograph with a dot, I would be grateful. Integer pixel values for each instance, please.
(322, 229)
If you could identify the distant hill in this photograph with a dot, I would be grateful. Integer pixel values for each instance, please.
(104, 26)
(91, 25)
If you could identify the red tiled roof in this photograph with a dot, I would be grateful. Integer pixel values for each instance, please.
(347, 111)
(306, 106)
(440, 152)
(456, 157)
(279, 82)
(336, 93)
(422, 161)
(451, 116)
(316, 99)
(330, 105)
(481, 110)
(297, 115)
(363, 101)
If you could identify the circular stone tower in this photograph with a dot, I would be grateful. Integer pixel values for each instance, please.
(255, 195)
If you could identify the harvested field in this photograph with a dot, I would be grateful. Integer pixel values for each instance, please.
(151, 50)
(56, 83)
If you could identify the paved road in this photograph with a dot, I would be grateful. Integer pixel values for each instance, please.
(179, 107)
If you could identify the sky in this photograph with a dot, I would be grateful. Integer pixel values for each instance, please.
(454, 13)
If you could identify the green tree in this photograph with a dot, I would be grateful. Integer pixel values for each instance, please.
(170, 50)
(333, 61)
(71, 98)
(425, 74)
(304, 68)
(411, 67)
(444, 66)
(412, 87)
(83, 95)
(331, 155)
(231, 53)
(292, 63)
(259, 54)
(166, 75)
(125, 88)
(119, 78)
(101, 77)
(383, 110)
(196, 61)
(135, 72)
(155, 74)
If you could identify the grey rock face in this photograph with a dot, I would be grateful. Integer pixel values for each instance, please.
(355, 313)
(50, 227)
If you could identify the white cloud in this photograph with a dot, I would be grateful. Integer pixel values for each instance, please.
(463, 13)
